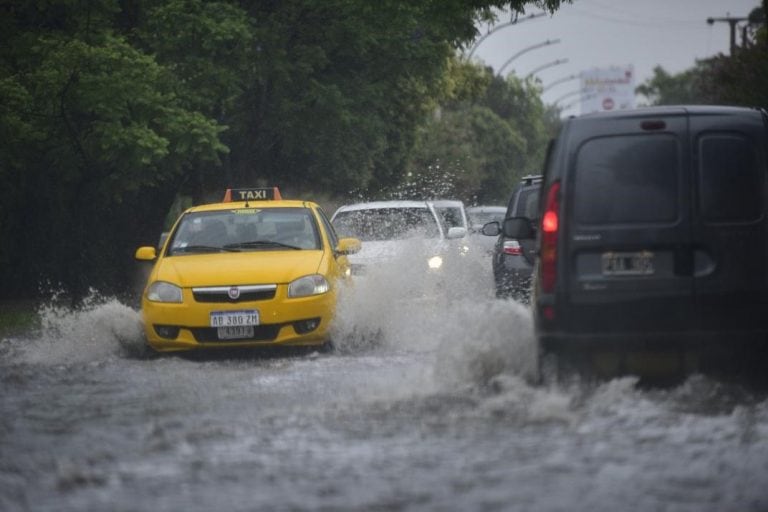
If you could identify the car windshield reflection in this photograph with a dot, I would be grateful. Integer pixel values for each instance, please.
(249, 229)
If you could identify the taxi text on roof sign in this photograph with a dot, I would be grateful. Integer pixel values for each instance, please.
(252, 194)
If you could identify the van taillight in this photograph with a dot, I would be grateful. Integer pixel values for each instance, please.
(550, 226)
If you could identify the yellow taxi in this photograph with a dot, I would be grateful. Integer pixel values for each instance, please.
(253, 270)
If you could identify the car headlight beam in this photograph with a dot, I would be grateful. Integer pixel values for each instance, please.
(161, 291)
(435, 262)
(314, 284)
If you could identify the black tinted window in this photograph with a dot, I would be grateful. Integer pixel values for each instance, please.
(528, 203)
(729, 179)
(627, 179)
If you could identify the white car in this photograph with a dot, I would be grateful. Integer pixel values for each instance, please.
(451, 214)
(388, 229)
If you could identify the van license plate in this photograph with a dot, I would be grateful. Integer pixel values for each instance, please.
(234, 333)
(628, 263)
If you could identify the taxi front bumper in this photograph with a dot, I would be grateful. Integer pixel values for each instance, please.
(302, 321)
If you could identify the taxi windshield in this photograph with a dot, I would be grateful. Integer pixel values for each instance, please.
(387, 224)
(245, 229)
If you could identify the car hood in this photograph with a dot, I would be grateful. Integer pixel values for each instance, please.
(238, 268)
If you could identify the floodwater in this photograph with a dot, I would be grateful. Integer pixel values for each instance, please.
(425, 405)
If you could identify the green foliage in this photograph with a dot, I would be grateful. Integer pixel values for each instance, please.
(467, 153)
(17, 317)
(207, 46)
(666, 89)
(347, 84)
(88, 123)
(741, 79)
(489, 133)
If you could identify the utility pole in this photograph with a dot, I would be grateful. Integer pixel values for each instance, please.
(732, 22)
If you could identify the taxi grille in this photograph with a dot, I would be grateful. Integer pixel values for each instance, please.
(267, 332)
(246, 293)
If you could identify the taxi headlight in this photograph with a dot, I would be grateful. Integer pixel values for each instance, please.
(308, 285)
(435, 262)
(160, 291)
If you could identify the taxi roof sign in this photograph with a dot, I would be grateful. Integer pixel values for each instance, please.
(252, 194)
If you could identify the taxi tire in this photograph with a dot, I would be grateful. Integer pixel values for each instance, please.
(327, 348)
(143, 351)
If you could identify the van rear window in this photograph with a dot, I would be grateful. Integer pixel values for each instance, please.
(730, 181)
(627, 179)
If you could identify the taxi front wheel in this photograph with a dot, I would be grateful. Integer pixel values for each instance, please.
(327, 347)
(140, 349)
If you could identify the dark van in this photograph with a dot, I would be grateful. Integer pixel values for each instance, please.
(652, 238)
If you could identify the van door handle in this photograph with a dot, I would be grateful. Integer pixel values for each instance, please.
(703, 263)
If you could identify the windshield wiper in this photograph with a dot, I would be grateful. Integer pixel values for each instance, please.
(261, 243)
(205, 248)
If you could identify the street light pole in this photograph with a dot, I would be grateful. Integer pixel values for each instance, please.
(545, 66)
(559, 81)
(566, 95)
(526, 50)
(495, 29)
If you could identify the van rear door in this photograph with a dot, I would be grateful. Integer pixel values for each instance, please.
(627, 238)
(729, 225)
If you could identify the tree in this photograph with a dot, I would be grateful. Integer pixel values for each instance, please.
(91, 132)
(683, 88)
(346, 85)
(489, 132)
(468, 154)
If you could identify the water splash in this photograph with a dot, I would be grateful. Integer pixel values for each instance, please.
(398, 305)
(100, 328)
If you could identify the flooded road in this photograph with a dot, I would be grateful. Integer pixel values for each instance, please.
(425, 405)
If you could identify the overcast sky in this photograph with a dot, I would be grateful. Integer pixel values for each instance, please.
(605, 33)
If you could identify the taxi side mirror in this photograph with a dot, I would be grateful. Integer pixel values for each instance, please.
(146, 254)
(348, 246)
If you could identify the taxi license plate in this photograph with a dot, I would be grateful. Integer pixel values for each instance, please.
(234, 333)
(638, 263)
(246, 317)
